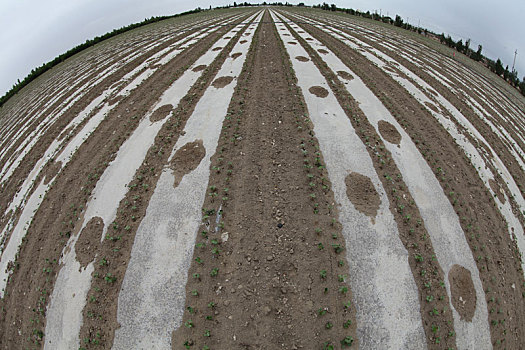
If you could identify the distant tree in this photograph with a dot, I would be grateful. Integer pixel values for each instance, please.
(499, 67)
(459, 46)
(467, 47)
(506, 73)
(522, 86)
(333, 7)
(478, 53)
(398, 22)
(234, 4)
(301, 4)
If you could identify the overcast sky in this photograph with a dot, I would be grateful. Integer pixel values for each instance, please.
(33, 32)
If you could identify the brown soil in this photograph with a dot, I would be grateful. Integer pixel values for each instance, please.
(199, 68)
(235, 55)
(161, 113)
(496, 255)
(55, 221)
(243, 41)
(302, 59)
(463, 292)
(497, 190)
(187, 159)
(318, 91)
(279, 258)
(217, 48)
(52, 168)
(292, 43)
(363, 195)
(88, 242)
(345, 75)
(389, 132)
(323, 51)
(222, 82)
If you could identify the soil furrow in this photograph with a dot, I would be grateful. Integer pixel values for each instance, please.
(497, 257)
(267, 181)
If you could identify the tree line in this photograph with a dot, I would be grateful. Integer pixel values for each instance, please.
(495, 66)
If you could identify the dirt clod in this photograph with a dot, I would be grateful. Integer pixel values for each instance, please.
(222, 82)
(161, 113)
(318, 91)
(186, 159)
(389, 132)
(363, 195)
(463, 292)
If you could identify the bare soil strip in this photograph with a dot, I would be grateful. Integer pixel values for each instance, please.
(29, 288)
(150, 304)
(268, 259)
(496, 255)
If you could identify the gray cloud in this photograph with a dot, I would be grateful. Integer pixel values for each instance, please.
(33, 32)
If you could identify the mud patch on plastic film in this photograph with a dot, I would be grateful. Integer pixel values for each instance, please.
(345, 75)
(160, 113)
(199, 68)
(222, 82)
(88, 242)
(292, 43)
(463, 292)
(302, 59)
(318, 91)
(51, 170)
(389, 132)
(187, 159)
(361, 192)
(323, 51)
(217, 49)
(235, 55)
(243, 41)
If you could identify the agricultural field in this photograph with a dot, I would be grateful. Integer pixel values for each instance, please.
(263, 178)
